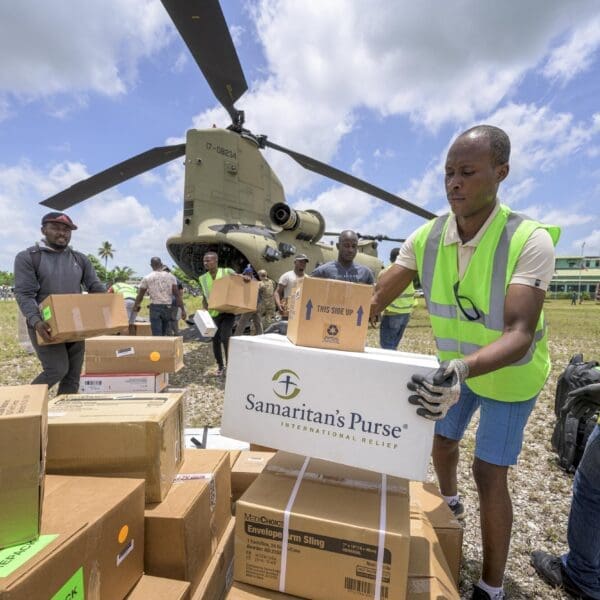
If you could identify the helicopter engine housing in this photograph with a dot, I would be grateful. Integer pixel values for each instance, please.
(309, 224)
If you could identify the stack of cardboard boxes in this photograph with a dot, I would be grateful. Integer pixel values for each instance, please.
(130, 363)
(320, 527)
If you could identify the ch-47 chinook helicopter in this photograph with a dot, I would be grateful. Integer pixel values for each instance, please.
(233, 202)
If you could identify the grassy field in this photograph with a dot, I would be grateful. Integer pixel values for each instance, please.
(540, 491)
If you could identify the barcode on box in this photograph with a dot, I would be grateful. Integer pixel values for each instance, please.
(363, 587)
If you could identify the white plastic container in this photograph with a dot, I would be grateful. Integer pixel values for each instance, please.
(205, 324)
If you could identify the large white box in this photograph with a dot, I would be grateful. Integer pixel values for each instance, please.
(205, 324)
(123, 382)
(346, 407)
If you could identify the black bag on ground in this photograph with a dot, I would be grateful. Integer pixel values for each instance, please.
(571, 434)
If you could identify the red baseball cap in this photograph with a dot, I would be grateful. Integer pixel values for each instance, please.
(58, 217)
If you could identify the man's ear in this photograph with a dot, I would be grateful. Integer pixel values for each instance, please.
(502, 172)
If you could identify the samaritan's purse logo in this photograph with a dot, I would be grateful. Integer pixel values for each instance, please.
(286, 384)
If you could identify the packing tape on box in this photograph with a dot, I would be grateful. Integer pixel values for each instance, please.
(77, 320)
(383, 492)
(107, 315)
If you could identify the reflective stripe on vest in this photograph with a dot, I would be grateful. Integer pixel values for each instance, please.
(483, 288)
(206, 283)
(127, 290)
(402, 304)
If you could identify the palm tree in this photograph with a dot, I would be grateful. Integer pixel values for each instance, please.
(106, 251)
(122, 273)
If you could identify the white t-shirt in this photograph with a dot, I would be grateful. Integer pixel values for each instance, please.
(288, 280)
(160, 287)
(535, 266)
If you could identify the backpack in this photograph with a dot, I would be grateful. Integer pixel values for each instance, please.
(36, 258)
(571, 434)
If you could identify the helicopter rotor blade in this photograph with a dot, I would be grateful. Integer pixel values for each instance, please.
(328, 171)
(202, 26)
(378, 238)
(113, 176)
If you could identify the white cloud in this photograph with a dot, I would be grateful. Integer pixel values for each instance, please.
(62, 47)
(592, 243)
(576, 54)
(563, 218)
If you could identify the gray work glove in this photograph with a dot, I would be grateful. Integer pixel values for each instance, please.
(584, 401)
(439, 390)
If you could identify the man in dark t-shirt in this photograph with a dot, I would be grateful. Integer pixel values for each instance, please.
(344, 268)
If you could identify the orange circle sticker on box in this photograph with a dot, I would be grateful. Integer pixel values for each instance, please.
(155, 356)
(123, 533)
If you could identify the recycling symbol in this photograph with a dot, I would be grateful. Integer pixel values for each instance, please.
(332, 330)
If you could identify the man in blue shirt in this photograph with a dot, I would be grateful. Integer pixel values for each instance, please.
(344, 268)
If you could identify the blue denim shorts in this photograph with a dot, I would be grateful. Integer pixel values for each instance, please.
(501, 425)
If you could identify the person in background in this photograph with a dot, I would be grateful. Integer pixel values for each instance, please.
(161, 287)
(396, 314)
(287, 282)
(53, 267)
(223, 321)
(578, 571)
(344, 268)
(266, 302)
(250, 317)
(129, 293)
(176, 313)
(484, 271)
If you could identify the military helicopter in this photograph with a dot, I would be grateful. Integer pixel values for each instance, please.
(233, 202)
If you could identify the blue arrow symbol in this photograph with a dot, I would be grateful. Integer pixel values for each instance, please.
(309, 306)
(359, 314)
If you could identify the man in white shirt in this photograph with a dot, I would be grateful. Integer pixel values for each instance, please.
(484, 271)
(286, 283)
(162, 288)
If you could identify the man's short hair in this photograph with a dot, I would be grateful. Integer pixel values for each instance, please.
(348, 233)
(498, 139)
(155, 262)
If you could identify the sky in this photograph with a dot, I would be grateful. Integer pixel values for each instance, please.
(378, 88)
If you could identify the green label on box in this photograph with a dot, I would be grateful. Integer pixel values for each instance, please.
(46, 313)
(15, 556)
(73, 589)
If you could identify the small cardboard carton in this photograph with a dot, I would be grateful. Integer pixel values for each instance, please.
(427, 498)
(142, 328)
(133, 354)
(248, 466)
(118, 435)
(319, 530)
(205, 324)
(74, 317)
(233, 294)
(243, 591)
(23, 434)
(429, 577)
(219, 574)
(159, 588)
(91, 543)
(325, 313)
(182, 531)
(347, 407)
(123, 382)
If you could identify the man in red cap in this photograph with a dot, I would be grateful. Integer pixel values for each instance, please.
(52, 267)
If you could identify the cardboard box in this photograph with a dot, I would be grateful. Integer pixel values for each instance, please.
(344, 536)
(243, 591)
(182, 532)
(205, 324)
(259, 448)
(347, 407)
(325, 313)
(133, 354)
(219, 574)
(74, 317)
(91, 543)
(429, 577)
(234, 294)
(159, 588)
(123, 382)
(248, 466)
(142, 328)
(23, 434)
(427, 498)
(117, 435)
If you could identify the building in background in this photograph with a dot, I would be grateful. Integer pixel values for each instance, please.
(579, 274)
